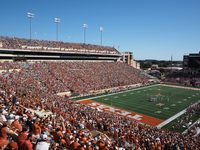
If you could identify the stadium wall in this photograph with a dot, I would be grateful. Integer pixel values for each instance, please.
(16, 54)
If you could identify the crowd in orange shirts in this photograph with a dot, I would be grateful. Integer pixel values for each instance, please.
(33, 88)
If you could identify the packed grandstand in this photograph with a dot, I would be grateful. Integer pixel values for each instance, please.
(19, 43)
(33, 114)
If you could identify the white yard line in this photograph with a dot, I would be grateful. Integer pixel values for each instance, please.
(118, 92)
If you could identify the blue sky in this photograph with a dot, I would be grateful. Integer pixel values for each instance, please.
(151, 29)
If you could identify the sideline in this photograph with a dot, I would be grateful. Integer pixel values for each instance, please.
(181, 112)
(175, 116)
(181, 87)
(171, 119)
(139, 88)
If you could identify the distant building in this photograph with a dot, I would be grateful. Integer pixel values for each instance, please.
(154, 66)
(192, 61)
(127, 57)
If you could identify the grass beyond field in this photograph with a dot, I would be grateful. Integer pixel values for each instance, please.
(158, 101)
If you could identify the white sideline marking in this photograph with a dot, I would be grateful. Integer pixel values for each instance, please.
(139, 88)
(171, 119)
(181, 87)
(162, 124)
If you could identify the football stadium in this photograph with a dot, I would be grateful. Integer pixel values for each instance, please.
(69, 95)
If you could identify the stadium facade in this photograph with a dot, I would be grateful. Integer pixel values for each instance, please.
(20, 54)
(127, 57)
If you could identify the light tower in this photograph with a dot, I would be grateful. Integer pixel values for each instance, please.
(30, 16)
(85, 26)
(57, 21)
(101, 33)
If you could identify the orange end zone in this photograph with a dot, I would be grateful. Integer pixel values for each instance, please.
(148, 119)
(86, 102)
(133, 115)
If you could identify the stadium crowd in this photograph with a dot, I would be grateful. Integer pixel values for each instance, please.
(33, 89)
(77, 77)
(19, 43)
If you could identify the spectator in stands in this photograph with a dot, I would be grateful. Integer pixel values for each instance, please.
(43, 143)
(27, 144)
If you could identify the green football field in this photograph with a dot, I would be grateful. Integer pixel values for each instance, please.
(157, 101)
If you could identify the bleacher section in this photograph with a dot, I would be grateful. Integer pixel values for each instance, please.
(78, 77)
(13, 48)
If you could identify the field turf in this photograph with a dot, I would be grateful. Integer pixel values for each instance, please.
(157, 101)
